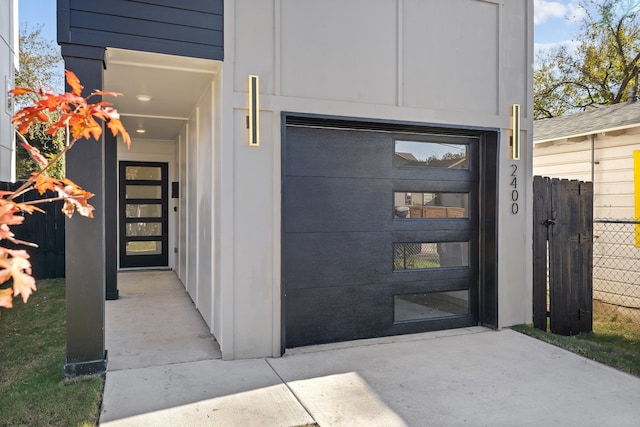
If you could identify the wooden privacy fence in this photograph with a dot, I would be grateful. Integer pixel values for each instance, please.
(563, 254)
(44, 229)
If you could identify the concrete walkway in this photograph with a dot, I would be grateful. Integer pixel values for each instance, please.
(165, 370)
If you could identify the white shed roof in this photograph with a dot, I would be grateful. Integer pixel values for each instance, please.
(603, 119)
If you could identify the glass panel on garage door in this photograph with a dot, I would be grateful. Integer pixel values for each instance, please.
(380, 233)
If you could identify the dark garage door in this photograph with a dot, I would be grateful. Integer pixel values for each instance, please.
(380, 233)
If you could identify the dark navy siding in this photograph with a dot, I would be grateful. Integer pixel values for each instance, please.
(191, 28)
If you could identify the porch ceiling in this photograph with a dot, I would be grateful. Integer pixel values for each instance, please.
(174, 84)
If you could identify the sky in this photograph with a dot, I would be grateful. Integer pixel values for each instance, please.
(42, 12)
(555, 21)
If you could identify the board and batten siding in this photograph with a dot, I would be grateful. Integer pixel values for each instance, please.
(384, 60)
(613, 186)
(191, 28)
(387, 53)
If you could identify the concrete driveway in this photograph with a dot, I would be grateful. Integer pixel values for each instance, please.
(164, 369)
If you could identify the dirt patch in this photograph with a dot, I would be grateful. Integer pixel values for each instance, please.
(603, 312)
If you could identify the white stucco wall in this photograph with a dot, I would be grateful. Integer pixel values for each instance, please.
(449, 62)
(8, 64)
(191, 213)
(203, 245)
(195, 219)
(204, 204)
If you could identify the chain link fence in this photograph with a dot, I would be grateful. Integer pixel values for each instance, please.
(616, 266)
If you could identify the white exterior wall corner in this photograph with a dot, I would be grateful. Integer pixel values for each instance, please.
(224, 185)
(192, 147)
(515, 243)
(204, 204)
(8, 65)
(370, 59)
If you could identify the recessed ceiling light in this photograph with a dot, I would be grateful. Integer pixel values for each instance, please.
(143, 98)
(140, 130)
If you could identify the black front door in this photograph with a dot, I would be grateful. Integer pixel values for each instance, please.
(380, 233)
(144, 212)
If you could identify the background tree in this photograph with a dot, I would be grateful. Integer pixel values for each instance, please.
(40, 65)
(598, 69)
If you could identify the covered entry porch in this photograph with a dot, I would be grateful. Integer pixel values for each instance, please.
(154, 323)
(154, 200)
(166, 59)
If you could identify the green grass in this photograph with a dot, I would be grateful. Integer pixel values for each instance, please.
(615, 341)
(32, 351)
(425, 263)
(151, 247)
(414, 263)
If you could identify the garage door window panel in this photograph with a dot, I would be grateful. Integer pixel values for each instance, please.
(430, 305)
(428, 255)
(426, 154)
(417, 205)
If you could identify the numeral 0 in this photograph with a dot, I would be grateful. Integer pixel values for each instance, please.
(514, 193)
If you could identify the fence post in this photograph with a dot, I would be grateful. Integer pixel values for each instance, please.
(541, 218)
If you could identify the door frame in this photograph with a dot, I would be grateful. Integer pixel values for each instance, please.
(487, 300)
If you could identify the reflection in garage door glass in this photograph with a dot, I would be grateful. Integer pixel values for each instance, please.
(411, 205)
(431, 155)
(421, 255)
(430, 305)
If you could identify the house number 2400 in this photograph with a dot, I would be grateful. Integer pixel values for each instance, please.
(514, 189)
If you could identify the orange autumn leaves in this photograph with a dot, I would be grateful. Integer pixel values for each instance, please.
(77, 114)
(81, 120)
(13, 263)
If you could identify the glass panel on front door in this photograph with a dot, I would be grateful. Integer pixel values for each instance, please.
(136, 210)
(144, 229)
(144, 173)
(144, 248)
(144, 192)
